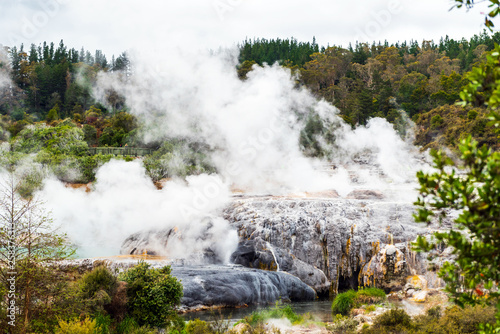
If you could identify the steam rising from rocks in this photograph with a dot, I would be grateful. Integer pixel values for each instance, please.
(4, 71)
(253, 129)
(124, 201)
(253, 126)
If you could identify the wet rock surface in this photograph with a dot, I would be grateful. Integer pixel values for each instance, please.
(345, 239)
(249, 255)
(236, 286)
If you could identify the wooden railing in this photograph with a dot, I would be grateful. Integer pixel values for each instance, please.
(131, 151)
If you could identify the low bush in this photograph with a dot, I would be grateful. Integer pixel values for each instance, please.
(343, 325)
(198, 326)
(276, 312)
(77, 326)
(370, 296)
(392, 321)
(98, 279)
(370, 308)
(152, 294)
(130, 326)
(96, 289)
(103, 324)
(346, 301)
(454, 321)
(394, 318)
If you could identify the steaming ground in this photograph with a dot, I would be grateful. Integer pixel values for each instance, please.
(253, 129)
(124, 201)
(4, 73)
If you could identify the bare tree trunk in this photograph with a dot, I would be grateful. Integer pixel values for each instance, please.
(27, 296)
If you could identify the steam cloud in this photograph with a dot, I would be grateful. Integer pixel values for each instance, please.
(125, 201)
(253, 128)
(253, 125)
(4, 72)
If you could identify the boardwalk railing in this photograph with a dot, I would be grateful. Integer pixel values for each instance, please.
(131, 151)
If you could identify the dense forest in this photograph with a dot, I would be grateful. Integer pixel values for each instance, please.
(52, 88)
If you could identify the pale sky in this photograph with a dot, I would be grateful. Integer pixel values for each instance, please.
(117, 25)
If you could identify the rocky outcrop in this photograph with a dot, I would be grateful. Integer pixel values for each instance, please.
(330, 243)
(249, 255)
(387, 270)
(231, 286)
(345, 239)
(154, 242)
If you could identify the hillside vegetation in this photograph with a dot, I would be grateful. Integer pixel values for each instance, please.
(50, 115)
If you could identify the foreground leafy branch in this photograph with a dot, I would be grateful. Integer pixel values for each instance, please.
(476, 239)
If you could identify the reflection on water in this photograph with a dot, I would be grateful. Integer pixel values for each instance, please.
(320, 310)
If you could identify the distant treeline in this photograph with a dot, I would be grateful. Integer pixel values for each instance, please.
(281, 50)
(380, 80)
(54, 78)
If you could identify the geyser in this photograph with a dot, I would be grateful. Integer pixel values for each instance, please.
(346, 204)
(124, 201)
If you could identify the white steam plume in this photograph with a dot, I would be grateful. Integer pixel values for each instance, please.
(125, 201)
(253, 125)
(5, 80)
(253, 128)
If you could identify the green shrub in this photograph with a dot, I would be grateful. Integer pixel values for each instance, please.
(344, 302)
(99, 278)
(126, 326)
(370, 308)
(343, 325)
(97, 288)
(369, 296)
(392, 321)
(472, 114)
(436, 122)
(198, 326)
(456, 319)
(53, 114)
(434, 312)
(130, 326)
(277, 312)
(89, 134)
(152, 294)
(394, 318)
(103, 324)
(86, 326)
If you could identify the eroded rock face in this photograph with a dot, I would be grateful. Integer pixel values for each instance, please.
(329, 243)
(268, 258)
(343, 238)
(387, 270)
